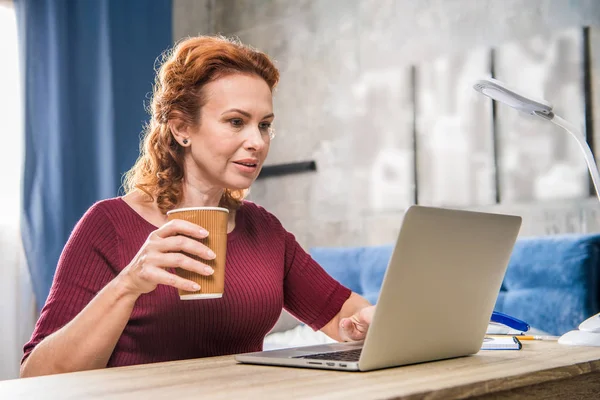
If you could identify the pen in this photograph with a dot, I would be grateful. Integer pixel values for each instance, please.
(536, 337)
(529, 337)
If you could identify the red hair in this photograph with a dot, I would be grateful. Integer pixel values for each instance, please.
(178, 94)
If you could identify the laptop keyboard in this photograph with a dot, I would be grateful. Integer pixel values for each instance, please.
(349, 355)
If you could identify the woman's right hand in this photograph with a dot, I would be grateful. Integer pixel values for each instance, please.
(163, 249)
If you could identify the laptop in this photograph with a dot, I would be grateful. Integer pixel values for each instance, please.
(437, 296)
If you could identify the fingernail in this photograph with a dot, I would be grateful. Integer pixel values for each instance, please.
(203, 232)
(196, 287)
(211, 254)
(209, 270)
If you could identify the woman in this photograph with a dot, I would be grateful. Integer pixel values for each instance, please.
(114, 301)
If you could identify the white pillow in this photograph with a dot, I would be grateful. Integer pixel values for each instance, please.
(285, 322)
(301, 335)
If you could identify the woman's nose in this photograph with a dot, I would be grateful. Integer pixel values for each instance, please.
(255, 140)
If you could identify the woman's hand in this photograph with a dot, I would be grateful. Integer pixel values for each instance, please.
(356, 326)
(163, 249)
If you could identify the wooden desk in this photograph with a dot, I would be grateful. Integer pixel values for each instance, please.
(541, 370)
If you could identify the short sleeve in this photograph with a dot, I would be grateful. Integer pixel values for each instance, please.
(310, 294)
(87, 263)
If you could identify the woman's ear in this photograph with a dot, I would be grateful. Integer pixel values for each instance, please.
(180, 131)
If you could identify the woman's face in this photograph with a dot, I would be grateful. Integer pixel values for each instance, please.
(229, 147)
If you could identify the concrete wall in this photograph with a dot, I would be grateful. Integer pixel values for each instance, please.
(351, 98)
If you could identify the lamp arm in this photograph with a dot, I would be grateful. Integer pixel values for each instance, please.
(583, 145)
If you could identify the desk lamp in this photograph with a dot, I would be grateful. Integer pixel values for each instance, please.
(498, 91)
(589, 330)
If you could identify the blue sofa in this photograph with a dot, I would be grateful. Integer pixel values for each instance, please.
(552, 282)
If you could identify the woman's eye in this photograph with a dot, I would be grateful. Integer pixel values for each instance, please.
(236, 122)
(265, 126)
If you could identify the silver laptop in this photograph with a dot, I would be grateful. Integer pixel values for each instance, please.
(437, 296)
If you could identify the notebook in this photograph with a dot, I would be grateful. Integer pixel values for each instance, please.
(501, 343)
(446, 270)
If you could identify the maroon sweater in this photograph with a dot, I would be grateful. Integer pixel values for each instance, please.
(266, 270)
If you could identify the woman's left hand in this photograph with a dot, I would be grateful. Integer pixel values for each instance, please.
(356, 326)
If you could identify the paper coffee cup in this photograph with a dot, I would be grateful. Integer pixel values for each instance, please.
(214, 220)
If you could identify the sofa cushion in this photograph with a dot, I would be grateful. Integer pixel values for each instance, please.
(375, 260)
(341, 263)
(552, 281)
(360, 269)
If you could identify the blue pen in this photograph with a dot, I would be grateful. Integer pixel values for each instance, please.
(509, 321)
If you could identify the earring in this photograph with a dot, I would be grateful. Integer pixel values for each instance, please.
(185, 141)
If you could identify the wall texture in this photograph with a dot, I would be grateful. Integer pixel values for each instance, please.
(363, 86)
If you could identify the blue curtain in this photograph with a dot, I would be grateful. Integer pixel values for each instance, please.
(88, 71)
